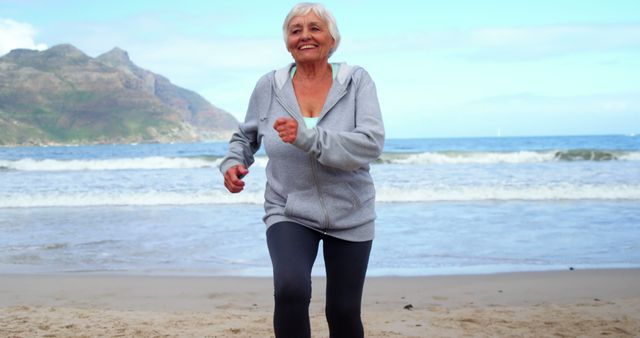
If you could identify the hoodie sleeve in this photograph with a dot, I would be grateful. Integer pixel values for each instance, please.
(245, 142)
(354, 149)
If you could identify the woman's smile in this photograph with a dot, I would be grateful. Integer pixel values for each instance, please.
(309, 39)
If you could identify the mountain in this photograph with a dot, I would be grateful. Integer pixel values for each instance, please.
(63, 96)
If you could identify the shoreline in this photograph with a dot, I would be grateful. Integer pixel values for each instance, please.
(530, 304)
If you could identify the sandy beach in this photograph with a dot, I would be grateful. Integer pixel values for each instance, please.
(589, 303)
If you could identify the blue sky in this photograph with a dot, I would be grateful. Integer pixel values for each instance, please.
(442, 69)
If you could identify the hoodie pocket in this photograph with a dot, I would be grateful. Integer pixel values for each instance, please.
(344, 207)
(305, 205)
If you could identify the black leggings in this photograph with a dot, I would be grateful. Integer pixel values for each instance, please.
(293, 249)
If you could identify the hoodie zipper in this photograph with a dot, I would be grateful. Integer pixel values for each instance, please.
(327, 221)
(312, 161)
(314, 173)
(314, 169)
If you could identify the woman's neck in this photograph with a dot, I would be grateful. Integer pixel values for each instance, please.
(313, 71)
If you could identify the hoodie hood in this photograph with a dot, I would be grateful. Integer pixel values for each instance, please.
(344, 72)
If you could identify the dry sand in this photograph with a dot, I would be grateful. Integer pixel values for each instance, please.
(590, 303)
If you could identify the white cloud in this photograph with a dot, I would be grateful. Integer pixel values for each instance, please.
(509, 43)
(14, 34)
(526, 114)
(238, 54)
(552, 40)
(606, 103)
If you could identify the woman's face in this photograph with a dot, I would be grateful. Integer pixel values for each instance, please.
(308, 38)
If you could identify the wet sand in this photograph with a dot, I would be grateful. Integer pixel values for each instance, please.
(589, 303)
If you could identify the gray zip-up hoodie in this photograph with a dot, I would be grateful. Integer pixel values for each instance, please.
(321, 180)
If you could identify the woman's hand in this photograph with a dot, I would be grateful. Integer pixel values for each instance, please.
(287, 129)
(233, 178)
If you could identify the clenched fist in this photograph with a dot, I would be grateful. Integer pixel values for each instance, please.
(287, 129)
(233, 178)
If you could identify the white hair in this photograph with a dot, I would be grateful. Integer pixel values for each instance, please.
(304, 8)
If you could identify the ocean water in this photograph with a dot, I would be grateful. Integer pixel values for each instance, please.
(445, 206)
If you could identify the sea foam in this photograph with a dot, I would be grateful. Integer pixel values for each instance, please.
(384, 194)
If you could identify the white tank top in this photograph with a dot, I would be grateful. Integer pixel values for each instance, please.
(311, 122)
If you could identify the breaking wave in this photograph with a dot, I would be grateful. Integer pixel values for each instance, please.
(159, 162)
(385, 194)
(507, 157)
(143, 163)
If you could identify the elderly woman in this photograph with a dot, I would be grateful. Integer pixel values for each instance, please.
(321, 127)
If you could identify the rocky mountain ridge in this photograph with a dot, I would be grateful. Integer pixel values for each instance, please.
(63, 96)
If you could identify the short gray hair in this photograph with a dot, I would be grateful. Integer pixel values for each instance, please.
(304, 8)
